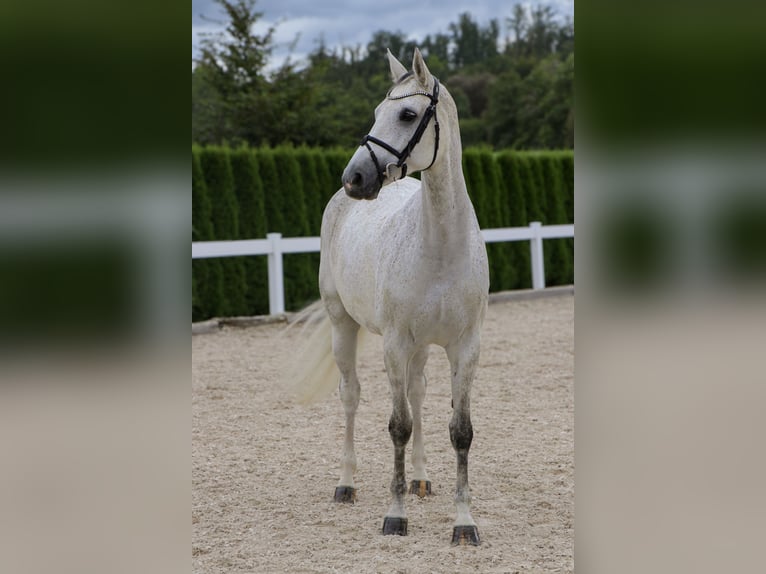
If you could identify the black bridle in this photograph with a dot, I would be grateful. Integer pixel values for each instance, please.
(402, 156)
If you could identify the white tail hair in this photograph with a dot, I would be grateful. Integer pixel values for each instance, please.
(313, 374)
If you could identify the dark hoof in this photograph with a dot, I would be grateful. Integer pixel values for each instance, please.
(464, 535)
(395, 525)
(420, 487)
(345, 494)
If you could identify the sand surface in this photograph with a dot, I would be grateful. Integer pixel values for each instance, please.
(264, 469)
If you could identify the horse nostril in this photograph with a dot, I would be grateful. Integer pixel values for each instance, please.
(354, 183)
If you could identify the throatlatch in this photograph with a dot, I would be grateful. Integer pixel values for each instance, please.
(402, 156)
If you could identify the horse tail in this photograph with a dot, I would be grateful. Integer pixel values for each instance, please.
(312, 374)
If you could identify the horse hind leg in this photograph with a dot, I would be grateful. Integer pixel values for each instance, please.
(463, 359)
(344, 343)
(416, 393)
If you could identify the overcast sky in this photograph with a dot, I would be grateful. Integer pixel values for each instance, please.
(352, 22)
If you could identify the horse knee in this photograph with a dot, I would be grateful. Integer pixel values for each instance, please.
(416, 390)
(349, 393)
(461, 432)
(400, 429)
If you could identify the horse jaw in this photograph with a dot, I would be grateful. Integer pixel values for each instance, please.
(397, 68)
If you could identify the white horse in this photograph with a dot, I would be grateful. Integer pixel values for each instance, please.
(410, 266)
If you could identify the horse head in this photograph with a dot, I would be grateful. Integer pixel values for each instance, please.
(405, 136)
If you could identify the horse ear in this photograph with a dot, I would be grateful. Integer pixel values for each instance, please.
(420, 69)
(397, 69)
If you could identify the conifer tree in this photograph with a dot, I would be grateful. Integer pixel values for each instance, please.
(216, 168)
(567, 160)
(558, 268)
(497, 215)
(517, 217)
(301, 282)
(311, 188)
(476, 184)
(207, 278)
(272, 197)
(312, 197)
(327, 185)
(252, 225)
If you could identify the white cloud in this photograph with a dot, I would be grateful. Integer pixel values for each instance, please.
(351, 23)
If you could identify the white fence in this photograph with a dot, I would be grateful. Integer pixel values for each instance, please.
(274, 246)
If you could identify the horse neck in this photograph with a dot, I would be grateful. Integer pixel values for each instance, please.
(446, 213)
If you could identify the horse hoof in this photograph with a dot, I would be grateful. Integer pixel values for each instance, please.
(420, 487)
(395, 525)
(345, 494)
(464, 535)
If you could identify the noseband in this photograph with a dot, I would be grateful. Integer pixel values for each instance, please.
(402, 155)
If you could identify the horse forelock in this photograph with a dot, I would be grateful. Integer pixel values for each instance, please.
(403, 78)
(408, 84)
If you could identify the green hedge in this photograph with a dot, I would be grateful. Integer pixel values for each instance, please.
(207, 278)
(248, 188)
(245, 193)
(219, 182)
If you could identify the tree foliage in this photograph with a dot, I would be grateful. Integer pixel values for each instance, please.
(219, 182)
(512, 79)
(207, 276)
(248, 188)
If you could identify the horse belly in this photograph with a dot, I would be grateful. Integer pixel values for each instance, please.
(445, 313)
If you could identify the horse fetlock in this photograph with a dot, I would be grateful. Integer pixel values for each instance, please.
(349, 461)
(398, 488)
(463, 502)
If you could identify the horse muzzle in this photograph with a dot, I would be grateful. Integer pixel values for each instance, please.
(360, 183)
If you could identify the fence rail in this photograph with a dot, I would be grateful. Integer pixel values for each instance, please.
(275, 246)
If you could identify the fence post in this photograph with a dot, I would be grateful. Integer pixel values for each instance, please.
(536, 256)
(276, 275)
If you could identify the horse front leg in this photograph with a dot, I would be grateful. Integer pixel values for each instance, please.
(400, 429)
(463, 359)
(344, 342)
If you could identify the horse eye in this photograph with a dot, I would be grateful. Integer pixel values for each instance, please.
(407, 115)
